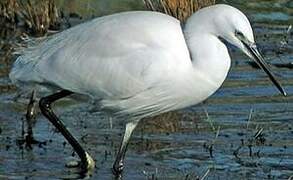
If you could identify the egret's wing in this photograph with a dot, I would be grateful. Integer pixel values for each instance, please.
(113, 56)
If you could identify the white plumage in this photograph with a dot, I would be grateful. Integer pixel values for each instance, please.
(137, 63)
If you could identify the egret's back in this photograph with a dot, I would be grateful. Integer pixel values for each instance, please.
(111, 56)
(132, 61)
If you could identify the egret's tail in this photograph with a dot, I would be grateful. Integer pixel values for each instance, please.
(22, 71)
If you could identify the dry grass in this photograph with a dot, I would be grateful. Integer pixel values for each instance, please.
(36, 16)
(180, 9)
(7, 9)
(8, 18)
(163, 123)
(40, 15)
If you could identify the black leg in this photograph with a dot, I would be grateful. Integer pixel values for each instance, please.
(119, 162)
(45, 106)
(30, 121)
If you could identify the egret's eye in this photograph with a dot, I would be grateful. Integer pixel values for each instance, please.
(239, 34)
(242, 38)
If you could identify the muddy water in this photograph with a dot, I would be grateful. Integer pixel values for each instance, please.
(244, 131)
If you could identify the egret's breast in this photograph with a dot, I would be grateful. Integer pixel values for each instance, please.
(211, 63)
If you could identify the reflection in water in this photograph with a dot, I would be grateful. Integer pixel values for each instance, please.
(164, 123)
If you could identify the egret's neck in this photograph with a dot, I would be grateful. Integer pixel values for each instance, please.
(209, 56)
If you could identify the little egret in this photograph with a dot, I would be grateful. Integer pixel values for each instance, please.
(138, 64)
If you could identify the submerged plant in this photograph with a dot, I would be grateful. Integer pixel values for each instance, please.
(180, 9)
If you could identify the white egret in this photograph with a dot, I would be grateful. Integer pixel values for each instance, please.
(138, 64)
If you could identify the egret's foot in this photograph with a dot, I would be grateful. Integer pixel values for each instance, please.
(117, 168)
(82, 170)
(89, 165)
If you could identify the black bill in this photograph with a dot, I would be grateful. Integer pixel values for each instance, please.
(261, 63)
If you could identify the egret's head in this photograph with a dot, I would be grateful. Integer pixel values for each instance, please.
(234, 27)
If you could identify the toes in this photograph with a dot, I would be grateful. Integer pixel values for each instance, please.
(117, 169)
(87, 165)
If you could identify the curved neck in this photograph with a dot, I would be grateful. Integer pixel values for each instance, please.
(209, 55)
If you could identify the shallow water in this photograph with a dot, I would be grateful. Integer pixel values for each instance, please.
(254, 123)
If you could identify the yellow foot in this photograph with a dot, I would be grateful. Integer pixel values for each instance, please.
(90, 163)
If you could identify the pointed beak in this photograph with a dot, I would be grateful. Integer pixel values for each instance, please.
(257, 57)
